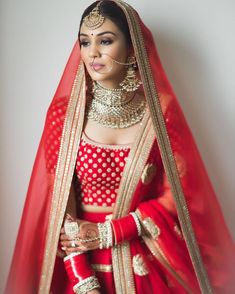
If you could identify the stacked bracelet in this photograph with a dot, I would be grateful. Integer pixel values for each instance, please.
(88, 240)
(86, 285)
(137, 222)
(80, 273)
(105, 234)
(72, 255)
(126, 228)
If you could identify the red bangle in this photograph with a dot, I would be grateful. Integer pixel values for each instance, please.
(77, 267)
(124, 229)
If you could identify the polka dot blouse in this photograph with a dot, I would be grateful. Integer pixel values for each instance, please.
(99, 169)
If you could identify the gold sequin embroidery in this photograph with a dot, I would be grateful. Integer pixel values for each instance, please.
(139, 265)
(151, 227)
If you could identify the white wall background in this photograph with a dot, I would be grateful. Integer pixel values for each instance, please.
(196, 42)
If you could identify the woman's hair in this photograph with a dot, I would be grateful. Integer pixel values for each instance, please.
(112, 11)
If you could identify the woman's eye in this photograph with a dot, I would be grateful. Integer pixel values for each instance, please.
(84, 43)
(106, 42)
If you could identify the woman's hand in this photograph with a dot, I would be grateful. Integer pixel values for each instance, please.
(87, 238)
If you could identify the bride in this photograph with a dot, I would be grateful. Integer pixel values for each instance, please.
(119, 200)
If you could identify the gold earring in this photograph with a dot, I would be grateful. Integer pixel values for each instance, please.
(131, 83)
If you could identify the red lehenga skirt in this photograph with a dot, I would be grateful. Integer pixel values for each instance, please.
(155, 280)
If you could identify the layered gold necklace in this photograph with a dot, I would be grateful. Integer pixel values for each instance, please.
(115, 108)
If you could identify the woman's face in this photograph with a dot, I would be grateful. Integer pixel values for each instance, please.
(99, 48)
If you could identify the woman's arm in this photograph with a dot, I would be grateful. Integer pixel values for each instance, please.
(82, 269)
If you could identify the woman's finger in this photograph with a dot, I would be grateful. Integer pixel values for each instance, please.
(80, 246)
(69, 217)
(69, 244)
(65, 237)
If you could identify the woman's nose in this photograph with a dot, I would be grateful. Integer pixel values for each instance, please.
(94, 52)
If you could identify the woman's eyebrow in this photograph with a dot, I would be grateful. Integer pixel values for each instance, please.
(100, 34)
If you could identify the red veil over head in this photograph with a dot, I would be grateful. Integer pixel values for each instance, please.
(208, 241)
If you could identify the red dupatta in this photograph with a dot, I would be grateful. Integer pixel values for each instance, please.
(209, 244)
(26, 268)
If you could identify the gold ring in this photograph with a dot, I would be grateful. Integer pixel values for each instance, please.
(73, 244)
(71, 229)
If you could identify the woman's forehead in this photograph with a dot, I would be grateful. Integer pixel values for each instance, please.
(107, 26)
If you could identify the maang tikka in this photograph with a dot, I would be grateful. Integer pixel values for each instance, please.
(94, 19)
(131, 83)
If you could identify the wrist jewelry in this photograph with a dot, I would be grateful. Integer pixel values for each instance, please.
(86, 285)
(137, 222)
(105, 234)
(72, 255)
(88, 240)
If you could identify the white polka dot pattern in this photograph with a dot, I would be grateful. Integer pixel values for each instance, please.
(99, 170)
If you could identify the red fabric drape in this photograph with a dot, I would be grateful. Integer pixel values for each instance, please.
(215, 243)
(214, 240)
(26, 265)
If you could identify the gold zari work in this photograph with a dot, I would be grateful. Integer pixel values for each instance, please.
(139, 265)
(151, 227)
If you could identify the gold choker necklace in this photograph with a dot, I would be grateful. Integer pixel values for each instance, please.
(115, 108)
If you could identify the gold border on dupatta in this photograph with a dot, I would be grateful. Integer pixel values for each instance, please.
(165, 146)
(64, 173)
(121, 254)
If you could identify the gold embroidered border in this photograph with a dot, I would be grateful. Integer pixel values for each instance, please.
(122, 262)
(134, 167)
(164, 145)
(63, 178)
(122, 269)
(119, 277)
(104, 268)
